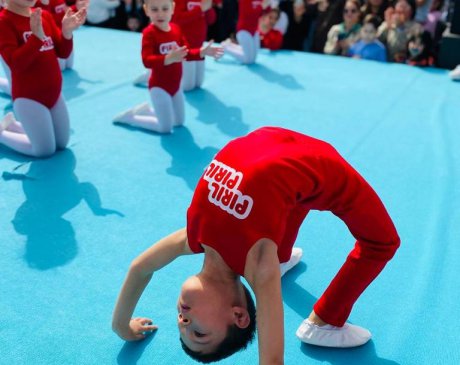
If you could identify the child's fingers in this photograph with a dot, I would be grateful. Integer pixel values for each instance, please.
(149, 328)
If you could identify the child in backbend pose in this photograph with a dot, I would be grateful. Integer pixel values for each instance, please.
(58, 8)
(193, 18)
(30, 44)
(164, 48)
(244, 216)
(247, 35)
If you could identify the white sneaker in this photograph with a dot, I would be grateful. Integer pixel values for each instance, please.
(455, 73)
(6, 121)
(296, 255)
(348, 335)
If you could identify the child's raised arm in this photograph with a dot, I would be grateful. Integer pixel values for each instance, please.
(140, 272)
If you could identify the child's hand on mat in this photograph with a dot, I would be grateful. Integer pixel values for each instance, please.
(138, 329)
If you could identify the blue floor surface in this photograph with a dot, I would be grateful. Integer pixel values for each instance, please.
(71, 224)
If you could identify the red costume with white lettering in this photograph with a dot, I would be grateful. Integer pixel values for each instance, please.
(34, 66)
(193, 21)
(156, 44)
(248, 15)
(264, 184)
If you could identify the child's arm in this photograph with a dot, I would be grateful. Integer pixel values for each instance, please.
(140, 272)
(263, 274)
(209, 50)
(22, 56)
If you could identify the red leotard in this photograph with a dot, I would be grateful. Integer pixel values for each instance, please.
(156, 44)
(249, 14)
(35, 71)
(192, 21)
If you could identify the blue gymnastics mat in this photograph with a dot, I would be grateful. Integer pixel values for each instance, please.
(71, 224)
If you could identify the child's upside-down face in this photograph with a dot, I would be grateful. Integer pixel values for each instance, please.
(203, 316)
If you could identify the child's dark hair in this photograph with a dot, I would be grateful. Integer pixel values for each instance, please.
(237, 338)
(372, 19)
(425, 39)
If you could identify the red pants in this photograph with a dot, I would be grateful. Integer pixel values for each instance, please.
(376, 243)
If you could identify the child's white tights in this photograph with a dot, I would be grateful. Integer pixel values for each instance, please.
(192, 74)
(41, 130)
(168, 112)
(247, 48)
(66, 63)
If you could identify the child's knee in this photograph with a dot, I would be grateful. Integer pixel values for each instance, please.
(44, 150)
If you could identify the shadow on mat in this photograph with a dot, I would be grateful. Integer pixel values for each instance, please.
(71, 87)
(131, 352)
(211, 110)
(285, 80)
(188, 159)
(363, 355)
(51, 190)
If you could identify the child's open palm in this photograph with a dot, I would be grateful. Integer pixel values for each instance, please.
(208, 50)
(72, 21)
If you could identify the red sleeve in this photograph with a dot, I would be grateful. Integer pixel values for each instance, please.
(149, 58)
(21, 56)
(193, 53)
(184, 16)
(62, 45)
(273, 40)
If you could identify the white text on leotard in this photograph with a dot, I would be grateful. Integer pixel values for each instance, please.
(166, 48)
(193, 4)
(223, 182)
(47, 42)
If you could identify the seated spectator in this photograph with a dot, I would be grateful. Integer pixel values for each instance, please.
(270, 37)
(343, 35)
(369, 47)
(375, 7)
(419, 49)
(102, 13)
(397, 28)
